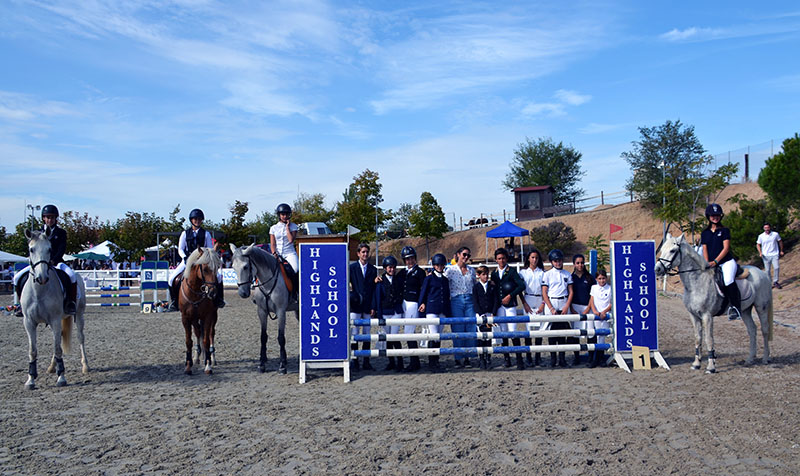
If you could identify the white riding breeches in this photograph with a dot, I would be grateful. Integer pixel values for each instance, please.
(534, 302)
(507, 311)
(410, 311)
(62, 266)
(728, 271)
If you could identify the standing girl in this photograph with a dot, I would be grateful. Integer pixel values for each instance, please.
(600, 304)
(532, 303)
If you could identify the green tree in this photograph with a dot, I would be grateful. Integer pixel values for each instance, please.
(400, 224)
(82, 230)
(555, 234)
(134, 233)
(17, 243)
(311, 208)
(780, 177)
(261, 225)
(543, 162)
(234, 228)
(747, 223)
(597, 242)
(360, 205)
(427, 220)
(672, 172)
(175, 223)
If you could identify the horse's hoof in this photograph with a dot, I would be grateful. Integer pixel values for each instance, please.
(711, 371)
(282, 370)
(61, 382)
(695, 367)
(262, 368)
(208, 372)
(30, 384)
(188, 371)
(85, 370)
(51, 369)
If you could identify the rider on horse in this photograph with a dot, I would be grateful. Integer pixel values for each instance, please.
(58, 245)
(192, 238)
(282, 236)
(716, 242)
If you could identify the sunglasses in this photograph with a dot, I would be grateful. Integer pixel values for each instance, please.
(466, 255)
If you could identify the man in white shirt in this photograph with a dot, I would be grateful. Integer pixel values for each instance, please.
(770, 248)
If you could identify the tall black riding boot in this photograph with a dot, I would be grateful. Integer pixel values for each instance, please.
(735, 301)
(70, 306)
(528, 356)
(354, 361)
(18, 305)
(537, 358)
(398, 360)
(506, 357)
(433, 360)
(173, 295)
(219, 298)
(365, 364)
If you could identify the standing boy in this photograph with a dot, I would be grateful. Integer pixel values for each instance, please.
(557, 296)
(509, 286)
(362, 291)
(770, 248)
(412, 277)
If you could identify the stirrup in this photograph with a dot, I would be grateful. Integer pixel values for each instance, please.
(733, 313)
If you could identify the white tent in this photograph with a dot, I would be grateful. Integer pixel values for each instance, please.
(101, 251)
(11, 257)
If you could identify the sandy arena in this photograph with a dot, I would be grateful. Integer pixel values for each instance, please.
(137, 413)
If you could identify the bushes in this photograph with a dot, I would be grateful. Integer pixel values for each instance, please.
(747, 223)
(553, 235)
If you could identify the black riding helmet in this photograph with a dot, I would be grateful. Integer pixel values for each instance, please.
(408, 252)
(389, 261)
(555, 255)
(714, 209)
(49, 210)
(196, 213)
(439, 258)
(283, 208)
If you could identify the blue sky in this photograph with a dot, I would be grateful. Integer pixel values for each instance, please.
(139, 105)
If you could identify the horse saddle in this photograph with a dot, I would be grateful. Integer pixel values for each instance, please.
(289, 276)
(63, 279)
(745, 289)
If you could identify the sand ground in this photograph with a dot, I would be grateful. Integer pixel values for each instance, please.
(137, 413)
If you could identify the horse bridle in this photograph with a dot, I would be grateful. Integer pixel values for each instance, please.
(667, 264)
(260, 286)
(34, 265)
(208, 290)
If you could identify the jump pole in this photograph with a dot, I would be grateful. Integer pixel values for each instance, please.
(476, 351)
(634, 307)
(481, 335)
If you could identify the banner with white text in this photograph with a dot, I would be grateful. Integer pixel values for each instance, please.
(634, 289)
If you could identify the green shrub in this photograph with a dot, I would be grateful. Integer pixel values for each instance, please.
(553, 235)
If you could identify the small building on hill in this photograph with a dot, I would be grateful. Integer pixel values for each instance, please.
(533, 202)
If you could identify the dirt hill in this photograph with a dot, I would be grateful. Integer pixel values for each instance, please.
(637, 223)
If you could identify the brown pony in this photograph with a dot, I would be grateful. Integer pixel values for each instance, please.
(196, 303)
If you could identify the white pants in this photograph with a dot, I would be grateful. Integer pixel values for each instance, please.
(558, 304)
(62, 266)
(728, 271)
(182, 267)
(507, 311)
(580, 309)
(381, 345)
(293, 261)
(410, 311)
(435, 328)
(771, 262)
(355, 330)
(534, 302)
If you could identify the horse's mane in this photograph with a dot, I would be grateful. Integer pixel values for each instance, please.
(209, 258)
(261, 257)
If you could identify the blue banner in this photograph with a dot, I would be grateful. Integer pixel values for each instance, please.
(634, 286)
(324, 328)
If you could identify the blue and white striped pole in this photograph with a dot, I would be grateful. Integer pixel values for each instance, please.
(422, 321)
(475, 351)
(480, 335)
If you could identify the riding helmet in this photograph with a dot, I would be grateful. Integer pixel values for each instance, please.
(408, 252)
(49, 210)
(507, 287)
(714, 209)
(389, 261)
(555, 254)
(283, 208)
(196, 213)
(438, 258)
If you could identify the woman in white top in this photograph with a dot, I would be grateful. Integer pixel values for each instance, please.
(532, 275)
(282, 235)
(600, 304)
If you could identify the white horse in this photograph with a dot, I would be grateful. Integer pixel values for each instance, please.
(251, 263)
(42, 302)
(703, 301)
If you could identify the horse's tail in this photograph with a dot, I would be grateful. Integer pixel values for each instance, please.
(66, 333)
(769, 319)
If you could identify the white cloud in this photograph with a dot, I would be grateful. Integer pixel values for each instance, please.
(571, 97)
(693, 33)
(24, 107)
(535, 109)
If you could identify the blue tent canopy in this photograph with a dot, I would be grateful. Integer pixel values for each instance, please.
(505, 230)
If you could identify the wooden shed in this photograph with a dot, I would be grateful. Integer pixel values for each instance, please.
(530, 202)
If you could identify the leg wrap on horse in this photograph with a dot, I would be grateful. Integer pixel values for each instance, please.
(712, 354)
(59, 367)
(32, 369)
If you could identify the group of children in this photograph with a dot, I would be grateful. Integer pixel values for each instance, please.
(411, 293)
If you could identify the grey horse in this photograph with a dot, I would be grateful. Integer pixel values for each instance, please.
(42, 302)
(271, 295)
(701, 298)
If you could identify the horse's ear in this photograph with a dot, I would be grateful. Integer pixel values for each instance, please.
(28, 233)
(233, 248)
(199, 251)
(681, 238)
